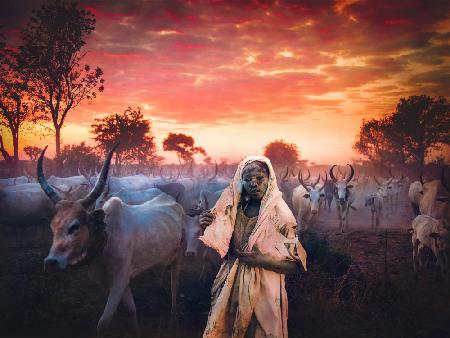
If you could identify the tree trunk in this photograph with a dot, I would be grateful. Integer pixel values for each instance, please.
(58, 151)
(16, 146)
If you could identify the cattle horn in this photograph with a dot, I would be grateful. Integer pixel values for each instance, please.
(300, 179)
(49, 191)
(101, 180)
(324, 182)
(446, 186)
(331, 173)
(352, 173)
(377, 182)
(390, 173)
(285, 174)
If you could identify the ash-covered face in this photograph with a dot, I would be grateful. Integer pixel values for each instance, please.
(255, 180)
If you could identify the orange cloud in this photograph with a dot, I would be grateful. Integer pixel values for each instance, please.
(236, 75)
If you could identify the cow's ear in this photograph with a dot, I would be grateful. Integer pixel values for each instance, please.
(350, 186)
(306, 195)
(410, 231)
(98, 215)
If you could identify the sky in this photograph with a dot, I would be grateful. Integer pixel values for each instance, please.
(237, 75)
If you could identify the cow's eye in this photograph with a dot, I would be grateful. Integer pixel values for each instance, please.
(73, 228)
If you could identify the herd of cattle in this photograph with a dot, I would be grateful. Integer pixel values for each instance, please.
(121, 226)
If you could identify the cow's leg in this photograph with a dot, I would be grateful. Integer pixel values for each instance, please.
(346, 214)
(116, 291)
(130, 308)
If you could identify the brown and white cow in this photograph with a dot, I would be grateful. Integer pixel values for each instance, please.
(118, 241)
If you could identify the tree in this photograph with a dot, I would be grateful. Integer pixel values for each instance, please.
(423, 123)
(32, 152)
(183, 145)
(282, 154)
(51, 55)
(419, 125)
(377, 142)
(132, 131)
(15, 108)
(79, 156)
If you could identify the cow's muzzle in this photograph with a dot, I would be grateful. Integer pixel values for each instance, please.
(54, 263)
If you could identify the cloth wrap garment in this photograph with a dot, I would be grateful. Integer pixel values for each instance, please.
(261, 293)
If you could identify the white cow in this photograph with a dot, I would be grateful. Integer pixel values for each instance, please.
(435, 197)
(118, 242)
(415, 194)
(7, 182)
(375, 202)
(134, 182)
(305, 202)
(343, 196)
(428, 232)
(132, 197)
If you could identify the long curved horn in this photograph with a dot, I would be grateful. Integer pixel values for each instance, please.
(377, 182)
(352, 173)
(101, 180)
(300, 179)
(390, 172)
(331, 173)
(49, 191)
(446, 186)
(309, 174)
(285, 174)
(421, 178)
(315, 183)
(216, 170)
(324, 182)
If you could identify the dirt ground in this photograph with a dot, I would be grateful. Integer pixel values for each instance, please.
(67, 304)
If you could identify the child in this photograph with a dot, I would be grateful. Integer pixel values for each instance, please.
(254, 228)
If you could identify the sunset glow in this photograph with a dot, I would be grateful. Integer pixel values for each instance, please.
(236, 77)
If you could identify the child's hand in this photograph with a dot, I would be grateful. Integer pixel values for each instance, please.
(206, 218)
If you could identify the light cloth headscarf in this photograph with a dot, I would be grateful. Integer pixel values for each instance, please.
(261, 292)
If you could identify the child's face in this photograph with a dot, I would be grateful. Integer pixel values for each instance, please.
(255, 181)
